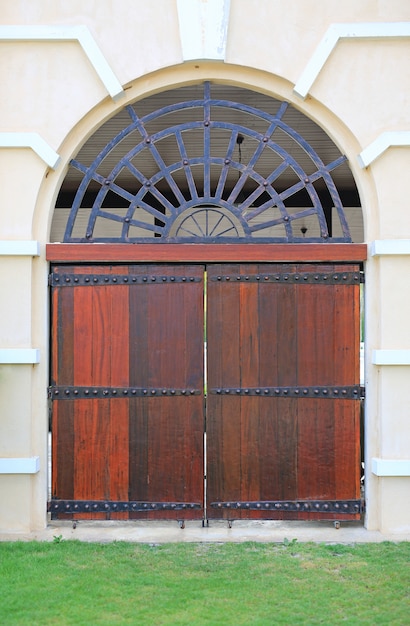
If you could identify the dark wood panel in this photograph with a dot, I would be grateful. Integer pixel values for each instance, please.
(166, 442)
(288, 334)
(204, 253)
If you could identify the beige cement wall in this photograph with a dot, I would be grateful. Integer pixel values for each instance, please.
(51, 88)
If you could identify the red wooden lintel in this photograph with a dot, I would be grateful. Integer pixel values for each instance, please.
(199, 253)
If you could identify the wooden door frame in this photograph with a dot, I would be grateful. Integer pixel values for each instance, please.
(203, 253)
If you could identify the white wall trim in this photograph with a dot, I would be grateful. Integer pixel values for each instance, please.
(384, 247)
(335, 32)
(203, 26)
(29, 465)
(389, 139)
(33, 141)
(69, 33)
(19, 356)
(19, 248)
(391, 357)
(391, 467)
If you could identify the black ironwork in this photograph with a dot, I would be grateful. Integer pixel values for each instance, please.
(342, 507)
(212, 205)
(116, 506)
(329, 278)
(68, 392)
(343, 392)
(90, 280)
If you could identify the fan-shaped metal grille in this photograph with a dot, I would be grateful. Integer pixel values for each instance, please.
(190, 182)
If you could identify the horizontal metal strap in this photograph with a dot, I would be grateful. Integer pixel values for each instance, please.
(343, 507)
(91, 280)
(64, 392)
(328, 278)
(116, 506)
(345, 392)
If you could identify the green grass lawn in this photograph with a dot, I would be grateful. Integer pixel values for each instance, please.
(68, 582)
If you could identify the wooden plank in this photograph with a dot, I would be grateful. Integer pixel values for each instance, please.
(169, 434)
(62, 372)
(223, 412)
(166, 252)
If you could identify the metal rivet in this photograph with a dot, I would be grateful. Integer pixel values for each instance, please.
(125, 279)
(164, 391)
(153, 392)
(148, 140)
(127, 220)
(164, 279)
(67, 392)
(206, 123)
(114, 280)
(265, 139)
(95, 279)
(227, 161)
(76, 279)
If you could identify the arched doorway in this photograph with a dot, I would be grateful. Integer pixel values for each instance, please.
(226, 227)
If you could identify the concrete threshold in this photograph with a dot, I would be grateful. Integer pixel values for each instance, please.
(217, 532)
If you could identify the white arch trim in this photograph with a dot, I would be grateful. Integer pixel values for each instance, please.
(203, 27)
(25, 465)
(19, 356)
(69, 33)
(335, 32)
(394, 138)
(385, 247)
(391, 467)
(33, 141)
(391, 357)
(19, 248)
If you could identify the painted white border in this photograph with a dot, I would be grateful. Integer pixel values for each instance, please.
(19, 356)
(33, 141)
(19, 248)
(29, 465)
(393, 138)
(203, 26)
(69, 33)
(385, 247)
(391, 467)
(335, 32)
(391, 357)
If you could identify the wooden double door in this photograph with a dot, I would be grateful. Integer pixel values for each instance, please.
(205, 391)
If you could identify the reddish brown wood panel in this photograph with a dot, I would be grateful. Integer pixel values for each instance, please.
(204, 253)
(267, 335)
(143, 335)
